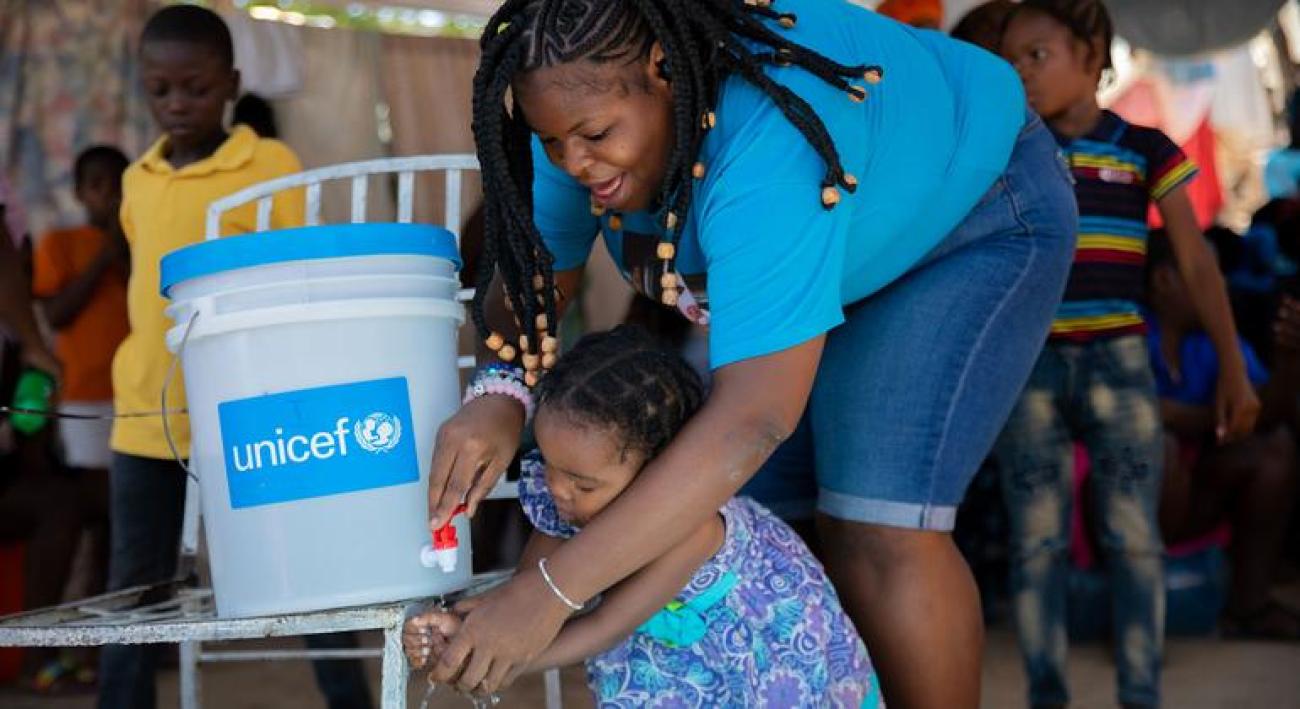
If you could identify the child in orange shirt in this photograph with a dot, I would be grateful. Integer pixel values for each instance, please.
(80, 275)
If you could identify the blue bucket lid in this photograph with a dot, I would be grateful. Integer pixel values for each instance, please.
(306, 243)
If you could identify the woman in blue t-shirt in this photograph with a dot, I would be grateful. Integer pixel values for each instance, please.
(878, 259)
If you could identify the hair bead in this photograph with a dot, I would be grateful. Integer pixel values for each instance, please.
(495, 342)
(506, 353)
(666, 250)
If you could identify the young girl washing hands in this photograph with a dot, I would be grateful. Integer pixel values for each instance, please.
(739, 614)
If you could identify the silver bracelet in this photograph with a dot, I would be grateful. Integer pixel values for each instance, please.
(541, 566)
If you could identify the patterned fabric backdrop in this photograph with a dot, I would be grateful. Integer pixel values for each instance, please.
(68, 79)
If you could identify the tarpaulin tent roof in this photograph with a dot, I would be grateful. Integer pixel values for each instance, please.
(1180, 27)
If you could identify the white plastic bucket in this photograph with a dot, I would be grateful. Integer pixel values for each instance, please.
(319, 363)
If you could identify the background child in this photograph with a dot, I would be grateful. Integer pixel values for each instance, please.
(1093, 381)
(187, 67)
(80, 276)
(750, 617)
(1250, 483)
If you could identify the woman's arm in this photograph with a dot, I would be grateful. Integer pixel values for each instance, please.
(16, 304)
(755, 404)
(630, 603)
(1236, 406)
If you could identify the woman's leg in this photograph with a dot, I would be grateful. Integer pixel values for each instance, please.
(1252, 485)
(911, 392)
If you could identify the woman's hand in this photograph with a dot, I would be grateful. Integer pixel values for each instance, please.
(505, 630)
(472, 450)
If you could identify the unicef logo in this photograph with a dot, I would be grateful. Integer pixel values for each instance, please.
(378, 432)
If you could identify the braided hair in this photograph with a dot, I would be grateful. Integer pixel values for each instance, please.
(1087, 20)
(704, 42)
(621, 380)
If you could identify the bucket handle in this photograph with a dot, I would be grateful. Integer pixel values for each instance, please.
(166, 414)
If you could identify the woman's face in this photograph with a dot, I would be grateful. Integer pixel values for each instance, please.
(609, 126)
(586, 466)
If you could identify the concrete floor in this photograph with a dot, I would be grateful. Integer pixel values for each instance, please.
(1199, 674)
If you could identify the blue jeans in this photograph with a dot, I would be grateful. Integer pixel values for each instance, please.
(913, 388)
(146, 504)
(1101, 393)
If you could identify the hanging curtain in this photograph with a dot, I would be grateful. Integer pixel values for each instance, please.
(428, 85)
(68, 79)
(331, 118)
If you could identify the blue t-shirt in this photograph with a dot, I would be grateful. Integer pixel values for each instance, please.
(772, 266)
(1200, 367)
(1282, 173)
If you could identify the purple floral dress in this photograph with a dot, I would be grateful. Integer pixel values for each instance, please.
(759, 625)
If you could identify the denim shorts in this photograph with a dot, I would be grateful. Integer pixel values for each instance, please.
(914, 387)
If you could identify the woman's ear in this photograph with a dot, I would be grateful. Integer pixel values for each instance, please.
(657, 66)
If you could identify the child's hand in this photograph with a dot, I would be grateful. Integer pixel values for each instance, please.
(1236, 407)
(425, 636)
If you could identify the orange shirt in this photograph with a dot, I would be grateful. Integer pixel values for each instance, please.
(85, 346)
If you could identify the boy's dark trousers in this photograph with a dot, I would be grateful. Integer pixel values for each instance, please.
(147, 502)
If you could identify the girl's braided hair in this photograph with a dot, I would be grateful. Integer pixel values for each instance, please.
(704, 42)
(621, 380)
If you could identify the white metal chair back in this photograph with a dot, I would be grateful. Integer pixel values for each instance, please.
(359, 173)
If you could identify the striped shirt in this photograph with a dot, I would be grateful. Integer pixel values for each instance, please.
(1119, 170)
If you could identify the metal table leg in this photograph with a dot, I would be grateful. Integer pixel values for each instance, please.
(393, 692)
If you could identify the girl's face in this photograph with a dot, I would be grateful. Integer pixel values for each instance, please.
(608, 125)
(1058, 70)
(586, 467)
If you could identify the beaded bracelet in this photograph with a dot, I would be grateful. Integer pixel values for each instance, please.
(503, 379)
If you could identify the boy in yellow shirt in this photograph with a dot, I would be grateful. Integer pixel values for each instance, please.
(187, 68)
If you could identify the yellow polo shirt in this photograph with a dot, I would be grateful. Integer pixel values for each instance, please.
(164, 209)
